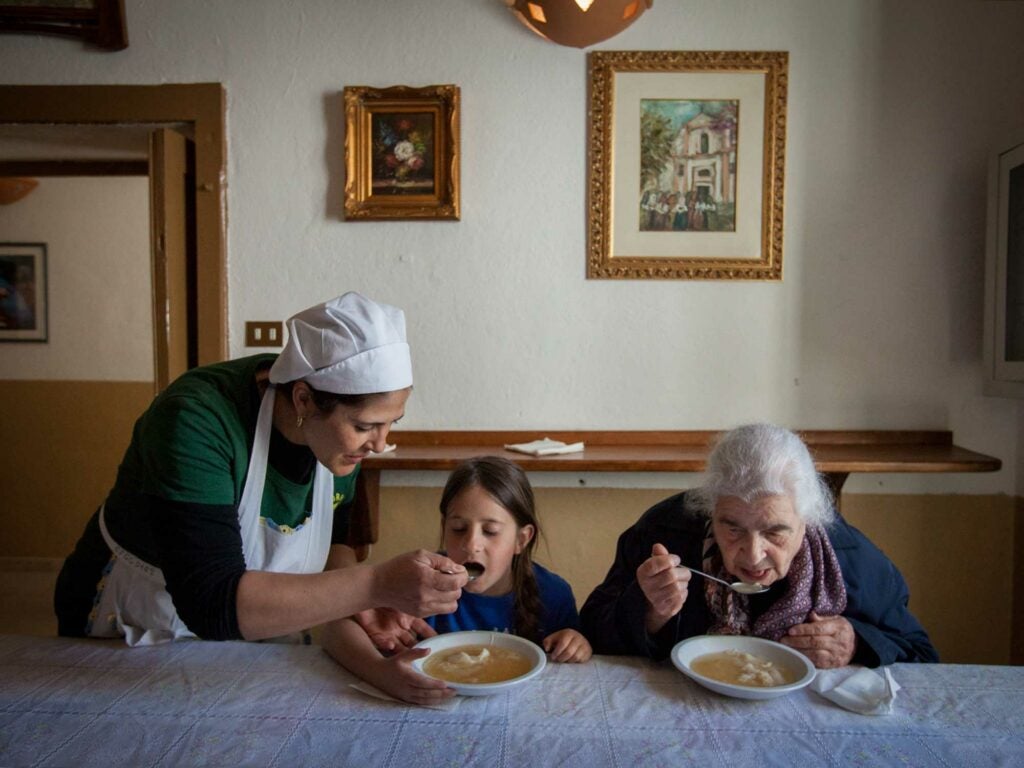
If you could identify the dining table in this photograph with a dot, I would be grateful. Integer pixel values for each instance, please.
(83, 702)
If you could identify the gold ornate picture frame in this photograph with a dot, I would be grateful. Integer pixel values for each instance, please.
(686, 164)
(402, 152)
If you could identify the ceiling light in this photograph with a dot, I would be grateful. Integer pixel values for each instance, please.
(578, 23)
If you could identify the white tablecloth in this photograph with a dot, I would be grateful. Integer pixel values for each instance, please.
(78, 703)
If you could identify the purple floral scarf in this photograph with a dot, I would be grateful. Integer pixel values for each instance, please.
(815, 583)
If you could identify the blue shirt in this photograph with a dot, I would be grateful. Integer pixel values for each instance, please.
(498, 613)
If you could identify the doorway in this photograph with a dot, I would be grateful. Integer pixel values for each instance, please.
(199, 107)
(64, 442)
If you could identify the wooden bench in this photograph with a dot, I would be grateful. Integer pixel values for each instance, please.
(837, 454)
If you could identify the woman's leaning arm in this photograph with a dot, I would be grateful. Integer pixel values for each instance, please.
(219, 599)
(272, 604)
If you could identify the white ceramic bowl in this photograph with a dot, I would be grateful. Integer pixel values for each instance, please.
(795, 663)
(499, 639)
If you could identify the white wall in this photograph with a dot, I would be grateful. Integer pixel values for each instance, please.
(96, 232)
(894, 107)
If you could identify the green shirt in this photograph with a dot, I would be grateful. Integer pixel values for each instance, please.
(193, 445)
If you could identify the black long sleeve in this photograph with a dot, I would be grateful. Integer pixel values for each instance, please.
(200, 554)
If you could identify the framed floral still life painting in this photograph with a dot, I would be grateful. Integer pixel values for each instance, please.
(23, 310)
(402, 152)
(686, 164)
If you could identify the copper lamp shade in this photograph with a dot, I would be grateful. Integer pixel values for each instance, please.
(578, 23)
(12, 188)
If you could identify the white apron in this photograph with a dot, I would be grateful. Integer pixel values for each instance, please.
(133, 599)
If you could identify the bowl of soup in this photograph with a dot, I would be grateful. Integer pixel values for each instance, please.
(743, 667)
(481, 663)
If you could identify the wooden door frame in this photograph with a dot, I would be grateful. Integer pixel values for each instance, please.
(169, 178)
(202, 106)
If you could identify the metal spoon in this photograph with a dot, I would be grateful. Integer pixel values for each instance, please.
(737, 586)
(473, 571)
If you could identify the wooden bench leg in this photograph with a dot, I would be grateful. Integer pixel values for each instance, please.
(364, 525)
(835, 481)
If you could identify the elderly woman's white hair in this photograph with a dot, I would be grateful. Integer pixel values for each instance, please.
(758, 460)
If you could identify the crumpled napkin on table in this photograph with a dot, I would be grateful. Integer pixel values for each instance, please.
(377, 693)
(387, 449)
(858, 689)
(545, 447)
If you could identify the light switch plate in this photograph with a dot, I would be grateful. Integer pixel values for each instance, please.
(269, 333)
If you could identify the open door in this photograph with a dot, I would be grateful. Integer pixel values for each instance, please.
(172, 177)
(200, 107)
(45, 421)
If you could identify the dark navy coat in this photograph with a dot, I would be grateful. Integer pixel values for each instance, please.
(613, 616)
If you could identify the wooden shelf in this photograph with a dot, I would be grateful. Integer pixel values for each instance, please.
(837, 454)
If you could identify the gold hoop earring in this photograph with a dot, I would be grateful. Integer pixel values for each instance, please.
(298, 422)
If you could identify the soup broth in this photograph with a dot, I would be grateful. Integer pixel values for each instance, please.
(739, 668)
(477, 664)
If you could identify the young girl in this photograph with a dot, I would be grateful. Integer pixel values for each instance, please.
(488, 520)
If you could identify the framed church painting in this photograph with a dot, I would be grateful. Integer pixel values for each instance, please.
(686, 156)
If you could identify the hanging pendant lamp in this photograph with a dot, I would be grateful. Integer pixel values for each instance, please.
(13, 188)
(578, 23)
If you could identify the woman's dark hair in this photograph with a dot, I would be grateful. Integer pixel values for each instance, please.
(326, 402)
(508, 485)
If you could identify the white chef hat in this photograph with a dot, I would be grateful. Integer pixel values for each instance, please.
(350, 345)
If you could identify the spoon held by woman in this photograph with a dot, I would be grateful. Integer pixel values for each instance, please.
(473, 571)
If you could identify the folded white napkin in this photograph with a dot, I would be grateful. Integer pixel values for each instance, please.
(858, 689)
(377, 693)
(387, 449)
(545, 447)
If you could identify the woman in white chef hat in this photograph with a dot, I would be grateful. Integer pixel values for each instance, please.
(234, 492)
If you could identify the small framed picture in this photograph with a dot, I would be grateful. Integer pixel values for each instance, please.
(402, 152)
(23, 292)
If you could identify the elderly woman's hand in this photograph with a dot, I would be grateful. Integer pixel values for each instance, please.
(665, 586)
(827, 641)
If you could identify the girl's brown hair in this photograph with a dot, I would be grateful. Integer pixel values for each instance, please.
(508, 485)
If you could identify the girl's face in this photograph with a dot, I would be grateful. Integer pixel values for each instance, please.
(477, 529)
(343, 438)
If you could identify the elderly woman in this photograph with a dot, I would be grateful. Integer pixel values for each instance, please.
(229, 514)
(762, 516)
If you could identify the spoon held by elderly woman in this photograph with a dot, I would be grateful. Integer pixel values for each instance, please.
(742, 587)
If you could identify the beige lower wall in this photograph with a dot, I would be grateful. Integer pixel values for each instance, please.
(63, 442)
(957, 553)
